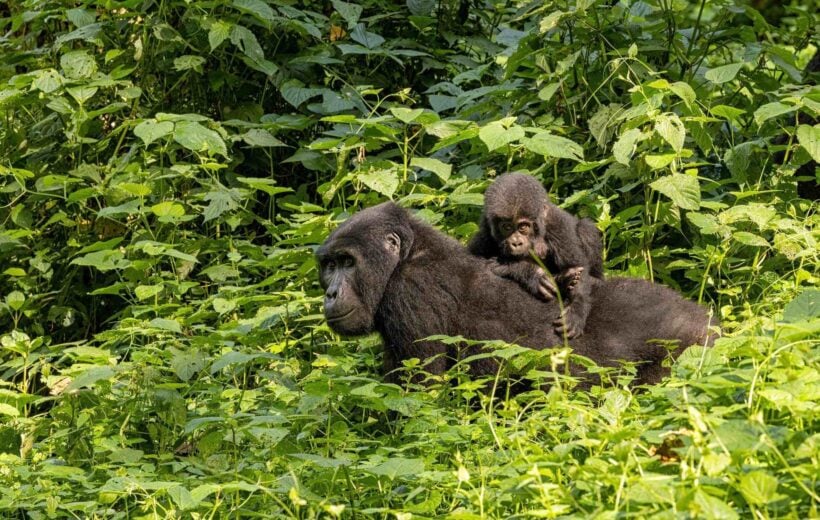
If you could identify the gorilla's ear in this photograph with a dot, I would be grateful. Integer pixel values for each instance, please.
(393, 243)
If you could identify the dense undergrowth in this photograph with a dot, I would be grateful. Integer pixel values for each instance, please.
(166, 169)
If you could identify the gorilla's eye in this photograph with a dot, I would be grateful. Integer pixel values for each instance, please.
(506, 227)
(524, 227)
(346, 261)
(330, 265)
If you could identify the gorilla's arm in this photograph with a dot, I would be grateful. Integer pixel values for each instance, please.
(483, 244)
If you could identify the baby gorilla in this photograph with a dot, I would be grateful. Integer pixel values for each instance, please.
(519, 222)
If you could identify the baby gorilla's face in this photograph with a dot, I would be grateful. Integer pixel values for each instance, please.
(517, 237)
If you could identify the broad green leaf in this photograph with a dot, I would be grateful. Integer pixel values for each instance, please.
(804, 306)
(685, 92)
(103, 260)
(758, 487)
(259, 9)
(90, 377)
(497, 134)
(9, 410)
(750, 239)
(150, 130)
(656, 162)
(168, 209)
(47, 81)
(295, 92)
(442, 170)
(15, 300)
(78, 65)
(165, 324)
(554, 146)
(770, 110)
(398, 467)
(197, 138)
(670, 128)
(143, 292)
(189, 62)
(725, 111)
(683, 189)
(370, 40)
(624, 147)
(350, 12)
(384, 181)
(602, 123)
(724, 73)
(261, 138)
(809, 138)
(406, 115)
(546, 93)
(711, 508)
(218, 33)
(188, 364)
(246, 41)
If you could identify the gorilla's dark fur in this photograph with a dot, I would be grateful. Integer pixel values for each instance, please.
(569, 247)
(386, 271)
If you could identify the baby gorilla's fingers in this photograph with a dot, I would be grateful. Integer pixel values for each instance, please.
(545, 287)
(568, 324)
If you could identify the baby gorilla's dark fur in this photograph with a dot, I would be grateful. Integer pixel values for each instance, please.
(384, 271)
(519, 221)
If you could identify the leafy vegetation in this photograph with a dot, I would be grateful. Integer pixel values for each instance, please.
(166, 169)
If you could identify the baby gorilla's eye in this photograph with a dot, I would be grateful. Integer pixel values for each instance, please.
(524, 227)
(506, 227)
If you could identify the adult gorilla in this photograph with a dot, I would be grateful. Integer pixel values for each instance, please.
(386, 271)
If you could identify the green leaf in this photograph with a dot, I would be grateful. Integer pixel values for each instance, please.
(188, 364)
(143, 292)
(656, 162)
(350, 12)
(168, 209)
(809, 138)
(804, 306)
(9, 410)
(406, 115)
(770, 110)
(442, 170)
(150, 130)
(551, 145)
(295, 93)
(685, 92)
(724, 73)
(758, 487)
(546, 93)
(15, 300)
(711, 508)
(47, 81)
(384, 181)
(257, 8)
(78, 64)
(398, 467)
(197, 138)
(258, 137)
(103, 260)
(189, 62)
(750, 239)
(670, 128)
(624, 147)
(165, 324)
(497, 134)
(246, 41)
(90, 377)
(218, 33)
(683, 189)
(725, 111)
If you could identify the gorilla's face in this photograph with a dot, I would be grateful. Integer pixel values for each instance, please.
(355, 264)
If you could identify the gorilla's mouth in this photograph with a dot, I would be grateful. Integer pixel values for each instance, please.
(337, 317)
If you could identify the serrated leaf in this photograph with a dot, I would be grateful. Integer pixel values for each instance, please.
(197, 138)
(218, 33)
(187, 364)
(165, 324)
(546, 93)
(624, 147)
(758, 487)
(670, 128)
(246, 41)
(149, 131)
(809, 138)
(384, 181)
(724, 73)
(103, 260)
(9, 410)
(683, 189)
(370, 40)
(656, 162)
(551, 145)
(771, 110)
(295, 92)
(189, 62)
(725, 111)
(15, 300)
(406, 115)
(90, 377)
(441, 169)
(220, 201)
(601, 124)
(47, 81)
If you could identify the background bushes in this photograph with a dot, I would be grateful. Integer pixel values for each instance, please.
(166, 169)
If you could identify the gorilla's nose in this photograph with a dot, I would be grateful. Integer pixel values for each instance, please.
(331, 294)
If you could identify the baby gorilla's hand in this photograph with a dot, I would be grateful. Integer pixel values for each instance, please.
(543, 285)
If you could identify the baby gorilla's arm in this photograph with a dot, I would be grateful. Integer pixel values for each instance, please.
(530, 276)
